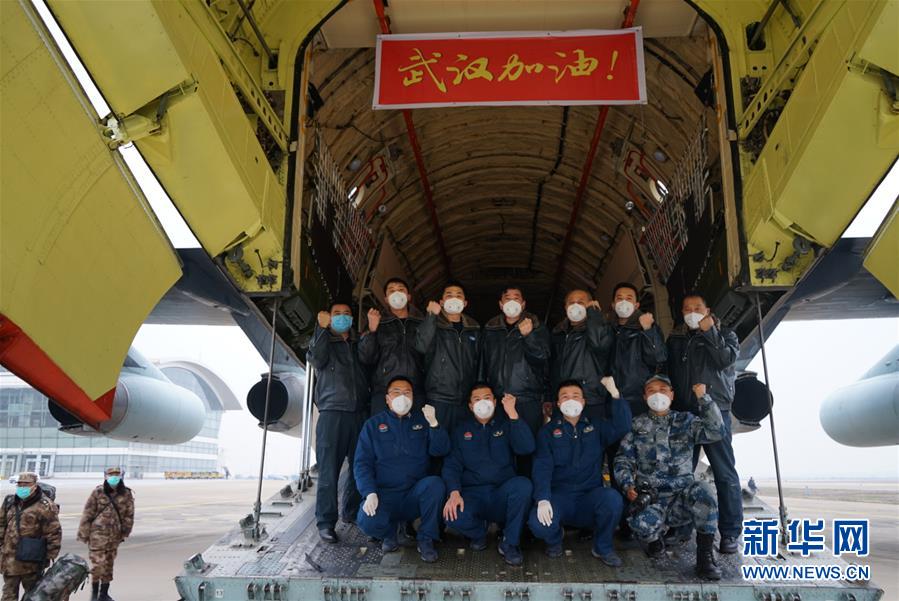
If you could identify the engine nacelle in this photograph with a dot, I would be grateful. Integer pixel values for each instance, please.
(285, 409)
(865, 413)
(146, 408)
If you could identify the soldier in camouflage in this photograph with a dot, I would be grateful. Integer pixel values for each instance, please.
(37, 518)
(106, 521)
(658, 454)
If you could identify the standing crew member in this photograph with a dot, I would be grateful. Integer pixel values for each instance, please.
(639, 347)
(581, 344)
(26, 518)
(701, 351)
(480, 474)
(638, 352)
(568, 484)
(106, 521)
(516, 358)
(341, 396)
(391, 465)
(451, 344)
(656, 459)
(388, 348)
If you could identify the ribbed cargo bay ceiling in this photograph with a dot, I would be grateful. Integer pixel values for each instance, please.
(504, 179)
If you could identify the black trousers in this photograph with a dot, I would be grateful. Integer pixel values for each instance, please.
(336, 435)
(531, 411)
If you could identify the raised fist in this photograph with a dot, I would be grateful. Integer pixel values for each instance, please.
(430, 414)
(374, 320)
(434, 308)
(699, 390)
(526, 326)
(324, 319)
(646, 320)
(508, 402)
(707, 322)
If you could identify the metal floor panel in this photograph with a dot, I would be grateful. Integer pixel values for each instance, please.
(294, 555)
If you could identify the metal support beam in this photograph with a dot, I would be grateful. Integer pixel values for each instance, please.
(419, 158)
(585, 173)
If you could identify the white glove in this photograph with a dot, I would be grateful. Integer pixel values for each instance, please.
(545, 513)
(371, 505)
(430, 415)
(609, 383)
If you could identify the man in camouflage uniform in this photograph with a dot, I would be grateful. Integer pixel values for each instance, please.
(106, 521)
(658, 453)
(37, 519)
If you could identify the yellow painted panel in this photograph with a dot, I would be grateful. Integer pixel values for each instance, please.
(82, 258)
(138, 70)
(882, 258)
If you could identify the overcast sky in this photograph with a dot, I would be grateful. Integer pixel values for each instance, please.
(807, 360)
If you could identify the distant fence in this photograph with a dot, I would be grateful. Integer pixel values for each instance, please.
(193, 476)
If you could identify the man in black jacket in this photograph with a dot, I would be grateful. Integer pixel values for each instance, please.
(581, 344)
(388, 348)
(639, 348)
(516, 356)
(701, 351)
(341, 396)
(451, 344)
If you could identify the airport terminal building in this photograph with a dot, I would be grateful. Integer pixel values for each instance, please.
(31, 439)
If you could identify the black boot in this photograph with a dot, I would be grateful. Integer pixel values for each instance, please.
(656, 549)
(95, 590)
(705, 557)
(104, 593)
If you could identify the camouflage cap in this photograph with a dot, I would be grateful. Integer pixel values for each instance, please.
(658, 377)
(113, 470)
(29, 477)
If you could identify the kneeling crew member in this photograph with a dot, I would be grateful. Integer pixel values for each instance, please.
(26, 514)
(391, 466)
(567, 477)
(658, 453)
(480, 474)
(106, 522)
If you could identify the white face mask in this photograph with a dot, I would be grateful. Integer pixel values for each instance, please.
(401, 404)
(571, 408)
(483, 409)
(624, 309)
(576, 312)
(453, 306)
(512, 309)
(398, 300)
(659, 402)
(692, 320)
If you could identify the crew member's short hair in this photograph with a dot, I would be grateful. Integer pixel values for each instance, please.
(695, 294)
(478, 385)
(621, 285)
(399, 378)
(566, 384)
(505, 289)
(397, 280)
(455, 283)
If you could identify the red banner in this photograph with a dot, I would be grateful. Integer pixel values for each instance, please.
(512, 68)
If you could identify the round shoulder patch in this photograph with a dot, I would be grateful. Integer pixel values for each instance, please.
(468, 436)
(557, 433)
(383, 427)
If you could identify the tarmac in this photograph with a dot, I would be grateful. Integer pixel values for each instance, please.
(175, 519)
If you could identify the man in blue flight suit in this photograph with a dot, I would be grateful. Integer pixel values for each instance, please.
(451, 344)
(480, 474)
(387, 349)
(341, 396)
(392, 460)
(567, 477)
(702, 351)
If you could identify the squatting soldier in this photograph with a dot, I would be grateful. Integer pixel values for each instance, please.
(656, 459)
(106, 521)
(27, 516)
